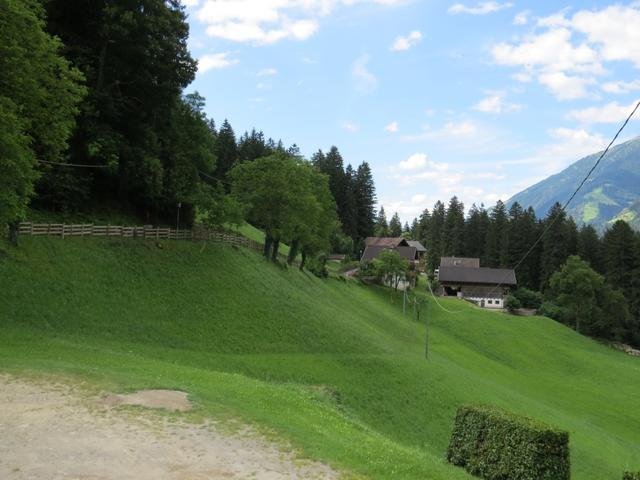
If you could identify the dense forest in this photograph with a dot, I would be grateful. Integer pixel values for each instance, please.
(97, 93)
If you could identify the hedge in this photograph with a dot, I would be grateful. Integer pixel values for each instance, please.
(631, 476)
(497, 445)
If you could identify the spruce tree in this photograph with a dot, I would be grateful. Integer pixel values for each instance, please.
(365, 196)
(435, 241)
(349, 213)
(381, 228)
(226, 150)
(395, 226)
(496, 246)
(590, 247)
(475, 232)
(556, 244)
(453, 235)
(423, 227)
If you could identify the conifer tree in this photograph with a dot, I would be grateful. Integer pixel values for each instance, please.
(435, 241)
(555, 244)
(395, 226)
(496, 246)
(475, 233)
(454, 228)
(226, 150)
(423, 227)
(365, 196)
(381, 228)
(590, 247)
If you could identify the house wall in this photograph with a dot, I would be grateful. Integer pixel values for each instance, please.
(486, 296)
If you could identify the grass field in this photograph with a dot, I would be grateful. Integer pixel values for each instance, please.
(331, 365)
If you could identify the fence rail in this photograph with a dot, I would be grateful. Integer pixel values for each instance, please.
(142, 232)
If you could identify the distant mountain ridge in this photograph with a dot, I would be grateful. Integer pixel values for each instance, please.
(612, 192)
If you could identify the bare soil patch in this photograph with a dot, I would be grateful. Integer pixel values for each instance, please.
(48, 432)
(167, 399)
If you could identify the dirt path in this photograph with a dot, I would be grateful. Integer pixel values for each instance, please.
(48, 432)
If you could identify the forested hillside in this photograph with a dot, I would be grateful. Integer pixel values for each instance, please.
(541, 249)
(103, 121)
(612, 193)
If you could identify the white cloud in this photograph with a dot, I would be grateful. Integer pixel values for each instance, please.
(350, 127)
(463, 129)
(420, 161)
(571, 52)
(266, 72)
(482, 8)
(522, 18)
(190, 3)
(522, 77)
(215, 61)
(566, 87)
(393, 127)
(365, 81)
(550, 51)
(405, 43)
(269, 21)
(621, 87)
(614, 30)
(609, 113)
(495, 103)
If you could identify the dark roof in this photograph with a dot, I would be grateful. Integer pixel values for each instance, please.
(417, 244)
(372, 251)
(459, 262)
(385, 241)
(491, 276)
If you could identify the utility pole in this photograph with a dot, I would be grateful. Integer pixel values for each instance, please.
(426, 330)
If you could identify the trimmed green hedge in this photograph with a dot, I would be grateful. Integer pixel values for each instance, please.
(631, 476)
(498, 445)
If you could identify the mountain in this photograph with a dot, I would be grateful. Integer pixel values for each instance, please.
(612, 192)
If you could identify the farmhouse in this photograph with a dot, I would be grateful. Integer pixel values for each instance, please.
(408, 249)
(464, 278)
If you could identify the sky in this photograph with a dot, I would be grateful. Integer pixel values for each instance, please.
(478, 99)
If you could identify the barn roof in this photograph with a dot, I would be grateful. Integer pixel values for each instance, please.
(484, 276)
(459, 262)
(415, 243)
(372, 251)
(386, 241)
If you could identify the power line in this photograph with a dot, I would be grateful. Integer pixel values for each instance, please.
(566, 204)
(438, 303)
(77, 165)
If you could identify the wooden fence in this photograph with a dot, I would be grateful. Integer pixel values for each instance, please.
(142, 232)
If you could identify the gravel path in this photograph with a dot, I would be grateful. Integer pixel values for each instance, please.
(48, 432)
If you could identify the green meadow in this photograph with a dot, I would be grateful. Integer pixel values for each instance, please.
(331, 366)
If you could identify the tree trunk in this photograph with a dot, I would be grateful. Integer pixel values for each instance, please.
(293, 251)
(274, 253)
(303, 258)
(268, 241)
(13, 233)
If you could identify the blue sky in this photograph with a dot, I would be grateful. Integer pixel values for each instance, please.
(478, 99)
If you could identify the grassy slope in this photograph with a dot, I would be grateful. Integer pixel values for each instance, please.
(331, 365)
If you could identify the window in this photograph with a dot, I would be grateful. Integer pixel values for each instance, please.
(490, 302)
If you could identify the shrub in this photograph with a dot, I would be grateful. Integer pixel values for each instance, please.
(498, 445)
(318, 266)
(512, 303)
(631, 476)
(528, 298)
